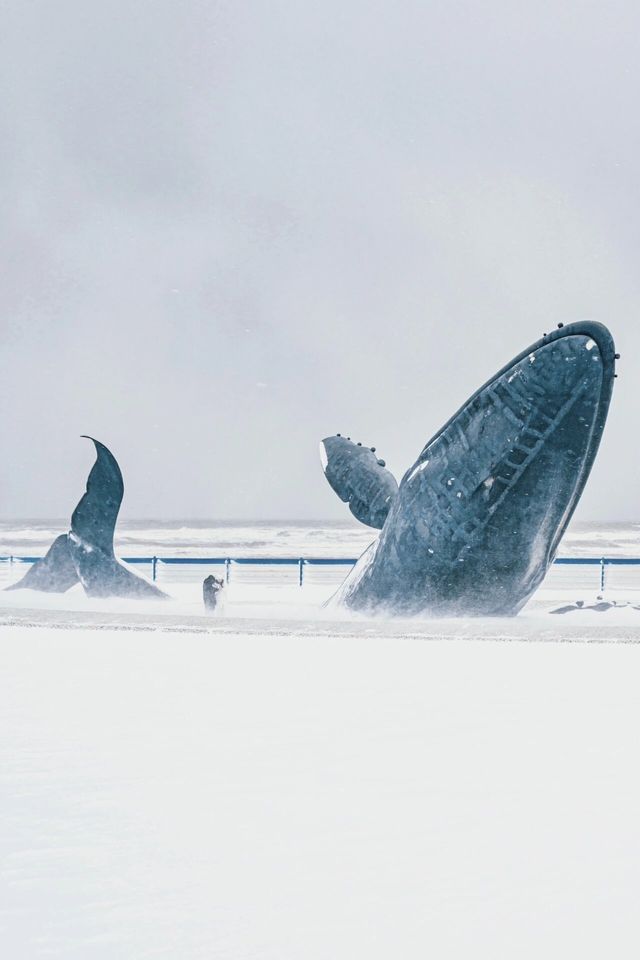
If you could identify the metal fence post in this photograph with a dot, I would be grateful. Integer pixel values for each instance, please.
(154, 565)
(227, 569)
(300, 571)
(602, 573)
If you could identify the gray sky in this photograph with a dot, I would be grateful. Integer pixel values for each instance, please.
(229, 229)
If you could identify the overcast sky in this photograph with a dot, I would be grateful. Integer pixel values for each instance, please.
(230, 229)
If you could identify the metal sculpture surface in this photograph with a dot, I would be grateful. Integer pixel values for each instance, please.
(479, 516)
(91, 536)
(53, 573)
(359, 478)
(86, 553)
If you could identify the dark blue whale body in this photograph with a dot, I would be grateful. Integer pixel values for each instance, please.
(91, 536)
(86, 553)
(478, 517)
(53, 573)
(359, 478)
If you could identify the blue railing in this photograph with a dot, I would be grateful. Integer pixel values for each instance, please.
(227, 562)
(301, 562)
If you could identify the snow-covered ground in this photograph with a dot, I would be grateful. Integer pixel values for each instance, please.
(282, 781)
(355, 794)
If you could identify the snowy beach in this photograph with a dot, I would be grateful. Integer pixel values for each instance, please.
(279, 783)
(294, 795)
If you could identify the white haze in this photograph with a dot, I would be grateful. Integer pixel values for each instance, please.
(229, 229)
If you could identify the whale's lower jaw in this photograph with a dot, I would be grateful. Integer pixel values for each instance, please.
(478, 518)
(475, 595)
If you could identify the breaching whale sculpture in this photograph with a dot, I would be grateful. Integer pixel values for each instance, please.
(478, 518)
(86, 553)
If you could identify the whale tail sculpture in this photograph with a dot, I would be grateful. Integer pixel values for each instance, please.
(91, 536)
(478, 517)
(86, 553)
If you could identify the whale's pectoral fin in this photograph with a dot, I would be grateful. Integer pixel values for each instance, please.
(359, 478)
(373, 512)
(53, 573)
